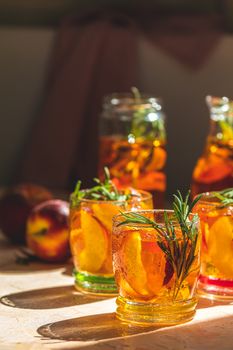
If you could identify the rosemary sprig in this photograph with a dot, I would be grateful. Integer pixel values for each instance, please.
(136, 94)
(105, 190)
(225, 197)
(141, 125)
(179, 251)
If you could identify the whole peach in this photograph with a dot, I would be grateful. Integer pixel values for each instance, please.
(47, 230)
(16, 204)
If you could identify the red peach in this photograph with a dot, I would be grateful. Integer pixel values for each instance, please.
(16, 204)
(47, 230)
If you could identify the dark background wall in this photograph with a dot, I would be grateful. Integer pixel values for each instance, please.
(25, 51)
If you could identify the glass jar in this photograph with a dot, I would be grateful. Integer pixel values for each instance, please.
(214, 169)
(132, 143)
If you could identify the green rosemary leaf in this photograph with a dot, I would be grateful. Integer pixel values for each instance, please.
(225, 197)
(105, 190)
(194, 202)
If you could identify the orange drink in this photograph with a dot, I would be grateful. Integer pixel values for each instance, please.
(156, 265)
(214, 169)
(132, 143)
(140, 164)
(215, 210)
(91, 236)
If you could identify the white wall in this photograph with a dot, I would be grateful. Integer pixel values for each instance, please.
(24, 59)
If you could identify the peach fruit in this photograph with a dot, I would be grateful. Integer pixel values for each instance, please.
(16, 204)
(47, 230)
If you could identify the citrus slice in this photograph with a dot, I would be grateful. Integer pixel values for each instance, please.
(134, 271)
(92, 257)
(220, 245)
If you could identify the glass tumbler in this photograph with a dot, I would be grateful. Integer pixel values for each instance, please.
(156, 269)
(216, 278)
(91, 240)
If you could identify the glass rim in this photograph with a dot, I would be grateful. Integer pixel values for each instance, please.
(209, 195)
(123, 97)
(146, 195)
(220, 104)
(124, 101)
(154, 211)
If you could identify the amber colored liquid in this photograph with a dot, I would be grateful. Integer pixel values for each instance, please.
(140, 164)
(217, 244)
(142, 271)
(214, 170)
(91, 233)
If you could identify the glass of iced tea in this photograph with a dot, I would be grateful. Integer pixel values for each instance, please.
(215, 210)
(156, 261)
(91, 214)
(132, 143)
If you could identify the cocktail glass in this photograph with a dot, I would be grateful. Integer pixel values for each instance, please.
(91, 240)
(216, 278)
(156, 267)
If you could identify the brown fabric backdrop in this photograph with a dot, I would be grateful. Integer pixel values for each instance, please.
(96, 54)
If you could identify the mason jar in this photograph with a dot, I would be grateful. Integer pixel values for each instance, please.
(132, 143)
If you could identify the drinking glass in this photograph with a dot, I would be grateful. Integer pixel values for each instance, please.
(91, 240)
(216, 278)
(156, 269)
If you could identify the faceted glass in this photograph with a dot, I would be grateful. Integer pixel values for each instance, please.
(156, 274)
(91, 240)
(216, 279)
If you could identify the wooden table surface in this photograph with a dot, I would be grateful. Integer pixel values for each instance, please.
(41, 310)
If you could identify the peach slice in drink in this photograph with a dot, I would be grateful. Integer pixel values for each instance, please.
(126, 291)
(158, 159)
(154, 263)
(212, 169)
(104, 212)
(74, 218)
(135, 273)
(76, 241)
(220, 245)
(95, 251)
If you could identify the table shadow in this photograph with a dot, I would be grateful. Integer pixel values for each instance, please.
(204, 302)
(209, 334)
(20, 259)
(48, 298)
(90, 328)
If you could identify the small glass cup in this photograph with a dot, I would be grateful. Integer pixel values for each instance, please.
(216, 278)
(152, 288)
(91, 240)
